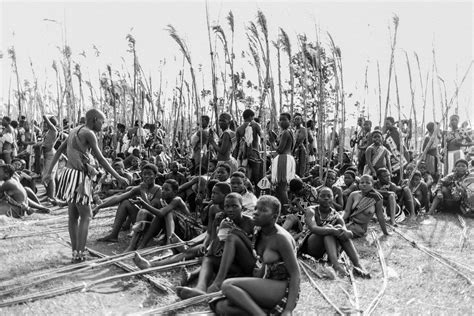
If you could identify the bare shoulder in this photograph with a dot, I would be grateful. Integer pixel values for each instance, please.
(283, 236)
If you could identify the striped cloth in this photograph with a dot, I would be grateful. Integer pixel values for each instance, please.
(75, 187)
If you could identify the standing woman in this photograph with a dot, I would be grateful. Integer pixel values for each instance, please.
(75, 185)
(301, 144)
(283, 165)
(276, 286)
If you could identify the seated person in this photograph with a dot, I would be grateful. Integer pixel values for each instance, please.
(450, 193)
(13, 196)
(346, 163)
(350, 184)
(338, 201)
(173, 217)
(161, 177)
(230, 248)
(222, 173)
(249, 200)
(148, 190)
(392, 193)
(128, 162)
(219, 192)
(302, 196)
(361, 207)
(276, 283)
(109, 185)
(420, 192)
(25, 176)
(327, 232)
(175, 174)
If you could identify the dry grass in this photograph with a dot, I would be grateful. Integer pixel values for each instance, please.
(417, 283)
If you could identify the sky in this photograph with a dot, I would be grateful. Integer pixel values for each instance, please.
(361, 30)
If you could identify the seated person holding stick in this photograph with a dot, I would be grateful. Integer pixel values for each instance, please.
(229, 250)
(148, 190)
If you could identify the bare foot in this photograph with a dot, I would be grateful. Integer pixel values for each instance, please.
(141, 262)
(108, 238)
(340, 271)
(185, 292)
(358, 271)
(185, 276)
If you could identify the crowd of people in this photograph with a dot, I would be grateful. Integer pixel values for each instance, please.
(247, 199)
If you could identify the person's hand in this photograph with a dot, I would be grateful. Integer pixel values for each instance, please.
(47, 177)
(138, 201)
(439, 195)
(123, 181)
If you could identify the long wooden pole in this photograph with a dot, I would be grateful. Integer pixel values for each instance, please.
(213, 71)
(392, 58)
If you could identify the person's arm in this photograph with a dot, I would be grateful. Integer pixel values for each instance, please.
(368, 160)
(50, 125)
(283, 142)
(188, 184)
(338, 201)
(380, 216)
(288, 255)
(348, 209)
(387, 159)
(226, 143)
(116, 199)
(162, 212)
(59, 152)
(92, 141)
(314, 228)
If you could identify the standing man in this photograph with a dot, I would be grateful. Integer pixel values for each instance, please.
(248, 146)
(363, 140)
(75, 185)
(454, 141)
(199, 143)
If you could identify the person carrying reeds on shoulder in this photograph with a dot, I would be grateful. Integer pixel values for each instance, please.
(376, 155)
(247, 147)
(75, 185)
(327, 232)
(361, 207)
(275, 285)
(229, 251)
(300, 150)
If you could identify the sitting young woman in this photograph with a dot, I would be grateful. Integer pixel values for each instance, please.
(361, 207)
(148, 190)
(173, 217)
(420, 192)
(275, 287)
(327, 232)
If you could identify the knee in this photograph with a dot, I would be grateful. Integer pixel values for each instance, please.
(228, 285)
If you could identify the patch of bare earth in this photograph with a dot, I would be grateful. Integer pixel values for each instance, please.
(417, 283)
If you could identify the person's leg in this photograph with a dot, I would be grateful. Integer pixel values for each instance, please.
(85, 214)
(348, 247)
(236, 253)
(254, 295)
(392, 206)
(281, 191)
(225, 307)
(330, 244)
(38, 206)
(205, 275)
(124, 210)
(139, 229)
(315, 246)
(156, 226)
(190, 253)
(170, 226)
(72, 226)
(408, 201)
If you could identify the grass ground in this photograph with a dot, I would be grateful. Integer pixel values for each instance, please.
(417, 284)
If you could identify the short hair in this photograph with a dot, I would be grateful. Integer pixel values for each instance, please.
(226, 116)
(225, 166)
(205, 117)
(14, 124)
(248, 113)
(351, 173)
(173, 183)
(211, 183)
(118, 163)
(416, 173)
(430, 126)
(464, 161)
(381, 170)
(8, 169)
(7, 119)
(325, 188)
(288, 115)
(376, 131)
(93, 113)
(238, 174)
(367, 176)
(368, 121)
(273, 202)
(297, 114)
(234, 195)
(151, 167)
(296, 185)
(391, 119)
(224, 188)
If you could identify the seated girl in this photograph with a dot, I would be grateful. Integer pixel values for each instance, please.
(361, 207)
(327, 233)
(275, 286)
